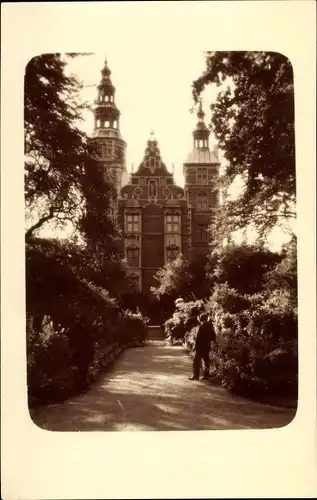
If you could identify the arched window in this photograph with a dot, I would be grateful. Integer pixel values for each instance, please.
(107, 123)
(115, 124)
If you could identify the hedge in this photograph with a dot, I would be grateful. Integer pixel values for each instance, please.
(74, 329)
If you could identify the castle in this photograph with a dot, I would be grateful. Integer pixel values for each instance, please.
(159, 219)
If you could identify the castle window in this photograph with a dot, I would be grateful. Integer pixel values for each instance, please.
(133, 256)
(202, 176)
(171, 253)
(106, 149)
(107, 124)
(133, 240)
(202, 202)
(202, 233)
(132, 223)
(173, 223)
(115, 124)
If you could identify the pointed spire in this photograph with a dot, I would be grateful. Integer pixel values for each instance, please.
(106, 72)
(201, 132)
(200, 112)
(106, 113)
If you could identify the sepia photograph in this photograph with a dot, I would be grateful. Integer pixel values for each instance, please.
(159, 295)
(158, 276)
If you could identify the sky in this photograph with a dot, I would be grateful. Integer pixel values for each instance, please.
(153, 92)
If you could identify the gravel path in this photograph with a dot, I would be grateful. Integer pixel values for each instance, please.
(147, 390)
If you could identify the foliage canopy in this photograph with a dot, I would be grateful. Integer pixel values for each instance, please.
(253, 121)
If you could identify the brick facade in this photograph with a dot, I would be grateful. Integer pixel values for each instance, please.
(159, 219)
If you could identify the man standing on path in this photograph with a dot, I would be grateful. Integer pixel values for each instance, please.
(205, 335)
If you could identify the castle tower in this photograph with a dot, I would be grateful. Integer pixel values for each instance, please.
(201, 170)
(106, 134)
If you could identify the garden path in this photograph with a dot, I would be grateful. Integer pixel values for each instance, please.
(148, 389)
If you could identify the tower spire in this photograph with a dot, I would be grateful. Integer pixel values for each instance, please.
(105, 72)
(106, 132)
(201, 132)
(200, 112)
(106, 112)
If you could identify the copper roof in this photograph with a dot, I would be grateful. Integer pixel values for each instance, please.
(199, 156)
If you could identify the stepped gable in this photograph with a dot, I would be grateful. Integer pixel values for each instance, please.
(152, 164)
(152, 181)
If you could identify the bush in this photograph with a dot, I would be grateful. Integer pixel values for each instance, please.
(74, 328)
(256, 351)
(183, 319)
(228, 299)
(133, 328)
(49, 370)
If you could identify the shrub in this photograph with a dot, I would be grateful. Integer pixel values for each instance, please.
(257, 347)
(183, 319)
(50, 374)
(133, 328)
(85, 327)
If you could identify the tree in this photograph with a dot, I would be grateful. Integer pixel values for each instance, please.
(243, 267)
(253, 120)
(182, 278)
(284, 275)
(171, 278)
(64, 182)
